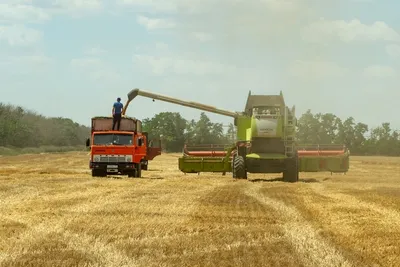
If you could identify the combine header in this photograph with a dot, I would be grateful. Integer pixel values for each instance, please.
(265, 142)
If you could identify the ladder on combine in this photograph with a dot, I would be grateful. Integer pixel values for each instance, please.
(289, 134)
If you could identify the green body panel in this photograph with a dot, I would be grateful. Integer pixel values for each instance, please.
(188, 164)
(204, 164)
(266, 127)
(266, 156)
(243, 123)
(325, 163)
(339, 164)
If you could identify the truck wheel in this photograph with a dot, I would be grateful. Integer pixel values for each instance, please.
(144, 164)
(239, 168)
(291, 172)
(132, 173)
(98, 173)
(139, 170)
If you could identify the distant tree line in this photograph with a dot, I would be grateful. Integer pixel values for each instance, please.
(20, 128)
(311, 129)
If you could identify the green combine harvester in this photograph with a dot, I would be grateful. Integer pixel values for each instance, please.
(265, 142)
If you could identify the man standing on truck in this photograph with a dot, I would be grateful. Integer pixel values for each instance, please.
(117, 113)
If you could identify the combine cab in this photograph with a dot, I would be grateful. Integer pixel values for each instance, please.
(265, 142)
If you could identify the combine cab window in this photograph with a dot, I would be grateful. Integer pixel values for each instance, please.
(113, 139)
(266, 111)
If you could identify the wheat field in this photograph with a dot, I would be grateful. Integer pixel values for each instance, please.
(53, 213)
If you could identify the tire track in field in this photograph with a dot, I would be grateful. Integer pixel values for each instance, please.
(20, 246)
(311, 247)
(391, 216)
(238, 230)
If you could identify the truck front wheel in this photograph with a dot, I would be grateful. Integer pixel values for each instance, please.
(137, 172)
(98, 173)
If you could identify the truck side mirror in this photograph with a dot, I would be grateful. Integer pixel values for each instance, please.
(88, 142)
(140, 141)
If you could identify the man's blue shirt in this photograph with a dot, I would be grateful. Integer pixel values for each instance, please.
(118, 107)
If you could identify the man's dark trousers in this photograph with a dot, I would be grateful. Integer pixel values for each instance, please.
(117, 119)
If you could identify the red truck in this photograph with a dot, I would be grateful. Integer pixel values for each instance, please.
(123, 152)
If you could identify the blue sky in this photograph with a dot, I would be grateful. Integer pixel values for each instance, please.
(74, 58)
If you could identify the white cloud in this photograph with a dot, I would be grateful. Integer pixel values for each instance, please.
(165, 65)
(23, 13)
(33, 60)
(325, 31)
(79, 4)
(95, 68)
(309, 70)
(393, 50)
(379, 71)
(202, 36)
(19, 35)
(199, 6)
(155, 6)
(28, 65)
(155, 23)
(94, 51)
(84, 63)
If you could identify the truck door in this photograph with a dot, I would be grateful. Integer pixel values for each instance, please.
(153, 147)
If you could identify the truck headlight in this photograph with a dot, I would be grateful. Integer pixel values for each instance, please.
(128, 158)
(96, 158)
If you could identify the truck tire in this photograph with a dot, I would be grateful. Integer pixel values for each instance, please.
(132, 174)
(98, 173)
(144, 164)
(239, 168)
(291, 172)
(139, 170)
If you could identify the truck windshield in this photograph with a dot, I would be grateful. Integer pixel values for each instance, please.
(112, 139)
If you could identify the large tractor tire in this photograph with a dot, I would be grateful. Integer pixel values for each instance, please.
(291, 172)
(239, 168)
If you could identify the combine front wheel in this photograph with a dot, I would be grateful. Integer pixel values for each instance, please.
(239, 168)
(291, 172)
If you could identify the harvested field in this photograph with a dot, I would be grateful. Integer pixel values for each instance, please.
(53, 213)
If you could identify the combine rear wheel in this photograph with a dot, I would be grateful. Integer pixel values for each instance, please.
(239, 168)
(291, 172)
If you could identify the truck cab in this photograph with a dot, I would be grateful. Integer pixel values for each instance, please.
(123, 152)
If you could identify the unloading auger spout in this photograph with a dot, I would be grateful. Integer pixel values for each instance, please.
(137, 92)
